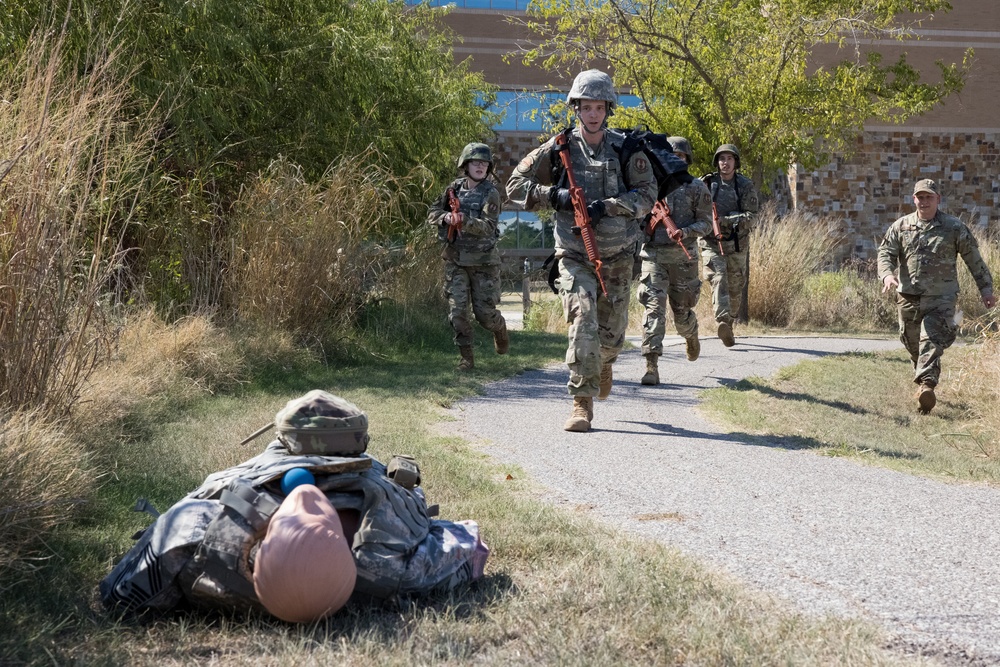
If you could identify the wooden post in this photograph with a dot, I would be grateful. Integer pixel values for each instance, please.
(526, 288)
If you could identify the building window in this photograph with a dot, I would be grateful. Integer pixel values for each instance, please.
(522, 229)
(532, 111)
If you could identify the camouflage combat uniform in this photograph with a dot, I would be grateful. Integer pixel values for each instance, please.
(667, 273)
(924, 253)
(737, 203)
(596, 323)
(472, 261)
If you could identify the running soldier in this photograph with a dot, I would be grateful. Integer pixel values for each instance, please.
(918, 258)
(467, 217)
(736, 203)
(597, 318)
(670, 268)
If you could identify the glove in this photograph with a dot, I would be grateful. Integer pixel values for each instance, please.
(453, 218)
(560, 200)
(596, 210)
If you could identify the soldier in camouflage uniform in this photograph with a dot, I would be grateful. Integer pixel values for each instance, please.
(596, 322)
(736, 202)
(668, 275)
(917, 257)
(471, 258)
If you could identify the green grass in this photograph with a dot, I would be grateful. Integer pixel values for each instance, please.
(863, 406)
(560, 588)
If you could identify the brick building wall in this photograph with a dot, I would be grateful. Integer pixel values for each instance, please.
(870, 189)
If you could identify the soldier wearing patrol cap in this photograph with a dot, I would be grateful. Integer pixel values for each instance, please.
(597, 321)
(918, 258)
(670, 269)
(736, 203)
(471, 258)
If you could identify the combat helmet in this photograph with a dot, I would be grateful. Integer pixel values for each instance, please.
(726, 148)
(682, 145)
(476, 151)
(593, 84)
(324, 424)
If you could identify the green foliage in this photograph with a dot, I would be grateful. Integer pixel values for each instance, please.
(718, 71)
(238, 83)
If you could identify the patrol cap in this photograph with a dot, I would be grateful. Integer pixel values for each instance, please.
(324, 424)
(926, 185)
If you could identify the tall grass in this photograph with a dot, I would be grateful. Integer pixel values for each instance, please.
(307, 257)
(72, 165)
(784, 253)
(969, 300)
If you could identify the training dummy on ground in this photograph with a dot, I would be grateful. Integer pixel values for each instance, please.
(298, 529)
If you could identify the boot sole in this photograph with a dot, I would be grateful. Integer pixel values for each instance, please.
(927, 400)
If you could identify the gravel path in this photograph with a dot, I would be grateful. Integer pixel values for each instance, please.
(918, 556)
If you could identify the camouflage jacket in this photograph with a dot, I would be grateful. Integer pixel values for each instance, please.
(924, 253)
(476, 245)
(737, 203)
(602, 176)
(691, 208)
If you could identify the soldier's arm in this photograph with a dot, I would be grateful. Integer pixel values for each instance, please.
(637, 202)
(968, 248)
(486, 224)
(701, 200)
(889, 256)
(750, 205)
(529, 186)
(437, 210)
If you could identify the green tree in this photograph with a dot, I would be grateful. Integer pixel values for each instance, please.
(742, 71)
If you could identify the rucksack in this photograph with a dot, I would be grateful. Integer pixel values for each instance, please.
(669, 170)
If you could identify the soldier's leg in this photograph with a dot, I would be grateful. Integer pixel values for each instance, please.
(736, 274)
(578, 289)
(653, 283)
(612, 312)
(908, 309)
(715, 273)
(485, 285)
(612, 316)
(937, 333)
(683, 295)
(456, 283)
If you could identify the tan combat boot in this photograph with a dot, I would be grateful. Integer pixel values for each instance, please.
(652, 375)
(926, 398)
(726, 334)
(693, 347)
(583, 414)
(607, 379)
(467, 362)
(501, 341)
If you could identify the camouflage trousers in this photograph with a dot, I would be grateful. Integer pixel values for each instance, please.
(479, 285)
(596, 323)
(668, 277)
(926, 328)
(727, 274)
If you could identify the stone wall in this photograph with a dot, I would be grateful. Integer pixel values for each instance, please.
(874, 187)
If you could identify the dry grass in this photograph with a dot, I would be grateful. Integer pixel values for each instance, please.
(784, 253)
(45, 475)
(969, 301)
(307, 257)
(72, 167)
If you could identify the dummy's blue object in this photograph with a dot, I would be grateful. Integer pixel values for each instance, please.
(296, 477)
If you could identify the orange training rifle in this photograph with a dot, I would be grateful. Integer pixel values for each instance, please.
(580, 215)
(661, 216)
(455, 228)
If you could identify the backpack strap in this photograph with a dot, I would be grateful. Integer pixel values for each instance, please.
(218, 573)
